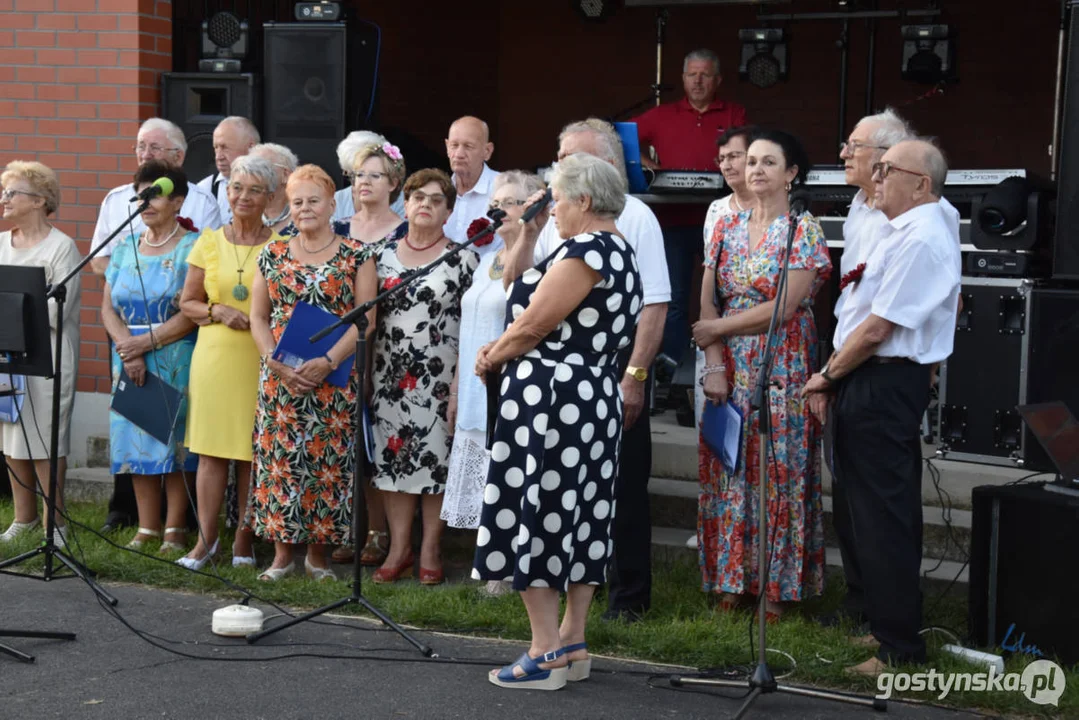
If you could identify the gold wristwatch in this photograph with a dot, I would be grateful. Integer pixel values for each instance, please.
(637, 373)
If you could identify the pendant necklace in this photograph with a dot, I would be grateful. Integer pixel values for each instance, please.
(239, 291)
(497, 266)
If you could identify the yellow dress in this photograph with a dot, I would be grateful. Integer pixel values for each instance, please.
(225, 365)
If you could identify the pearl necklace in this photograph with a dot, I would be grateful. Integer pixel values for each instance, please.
(170, 236)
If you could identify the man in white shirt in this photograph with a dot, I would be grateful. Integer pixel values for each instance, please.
(347, 150)
(897, 322)
(160, 140)
(630, 577)
(234, 136)
(469, 147)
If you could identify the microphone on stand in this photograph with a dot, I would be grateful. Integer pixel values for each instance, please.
(535, 208)
(496, 214)
(799, 201)
(161, 186)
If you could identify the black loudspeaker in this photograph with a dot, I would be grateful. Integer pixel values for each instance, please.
(1020, 596)
(304, 76)
(1066, 245)
(197, 102)
(1015, 343)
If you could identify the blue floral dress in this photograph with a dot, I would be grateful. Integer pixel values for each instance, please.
(155, 298)
(727, 517)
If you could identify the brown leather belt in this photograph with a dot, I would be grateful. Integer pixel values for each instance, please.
(878, 360)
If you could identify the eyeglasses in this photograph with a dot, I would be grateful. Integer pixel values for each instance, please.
(505, 204)
(884, 169)
(421, 198)
(152, 148)
(360, 176)
(9, 194)
(724, 157)
(239, 190)
(853, 145)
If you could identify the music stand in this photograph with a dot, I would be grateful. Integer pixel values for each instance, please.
(25, 350)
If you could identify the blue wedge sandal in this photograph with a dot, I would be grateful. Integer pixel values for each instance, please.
(535, 677)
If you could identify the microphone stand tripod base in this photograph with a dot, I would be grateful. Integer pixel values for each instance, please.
(21, 656)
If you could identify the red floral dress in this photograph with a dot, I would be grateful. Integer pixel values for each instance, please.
(302, 472)
(727, 517)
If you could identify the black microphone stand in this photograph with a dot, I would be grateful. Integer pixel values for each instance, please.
(763, 681)
(358, 317)
(48, 548)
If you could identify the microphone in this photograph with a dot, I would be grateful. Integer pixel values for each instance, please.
(799, 201)
(535, 208)
(496, 214)
(161, 186)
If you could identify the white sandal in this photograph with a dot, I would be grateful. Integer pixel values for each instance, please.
(168, 546)
(272, 574)
(316, 573)
(17, 528)
(137, 544)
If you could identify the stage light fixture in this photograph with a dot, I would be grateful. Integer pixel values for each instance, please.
(224, 43)
(595, 10)
(764, 56)
(928, 53)
(1009, 216)
(323, 11)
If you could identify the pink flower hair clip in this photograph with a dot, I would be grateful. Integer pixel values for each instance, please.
(392, 152)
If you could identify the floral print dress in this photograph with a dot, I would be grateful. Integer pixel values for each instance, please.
(727, 519)
(302, 472)
(415, 356)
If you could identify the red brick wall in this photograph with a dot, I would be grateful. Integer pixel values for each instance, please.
(76, 79)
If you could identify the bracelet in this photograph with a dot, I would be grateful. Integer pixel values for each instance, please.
(210, 312)
(327, 358)
(712, 369)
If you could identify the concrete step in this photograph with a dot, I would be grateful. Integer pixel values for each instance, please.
(674, 540)
(88, 484)
(97, 451)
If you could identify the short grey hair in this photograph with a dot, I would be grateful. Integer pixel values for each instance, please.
(245, 126)
(607, 139)
(934, 163)
(891, 129)
(701, 54)
(582, 175)
(172, 131)
(258, 168)
(279, 152)
(355, 141)
(527, 182)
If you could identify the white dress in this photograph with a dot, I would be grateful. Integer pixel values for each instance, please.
(716, 210)
(483, 318)
(58, 255)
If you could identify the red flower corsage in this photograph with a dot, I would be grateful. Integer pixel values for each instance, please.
(186, 224)
(390, 283)
(852, 277)
(479, 225)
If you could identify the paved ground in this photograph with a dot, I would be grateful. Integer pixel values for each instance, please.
(109, 672)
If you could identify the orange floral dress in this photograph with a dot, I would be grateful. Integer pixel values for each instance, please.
(302, 470)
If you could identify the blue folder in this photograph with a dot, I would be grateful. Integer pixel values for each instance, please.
(295, 346)
(631, 150)
(721, 428)
(153, 408)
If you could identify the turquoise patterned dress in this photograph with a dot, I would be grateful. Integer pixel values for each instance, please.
(153, 299)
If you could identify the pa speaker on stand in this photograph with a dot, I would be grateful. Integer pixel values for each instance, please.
(197, 102)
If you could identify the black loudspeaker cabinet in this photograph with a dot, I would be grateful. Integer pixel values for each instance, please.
(197, 102)
(1016, 342)
(305, 99)
(1020, 596)
(1066, 241)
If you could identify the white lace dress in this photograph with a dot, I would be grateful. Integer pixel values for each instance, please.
(483, 318)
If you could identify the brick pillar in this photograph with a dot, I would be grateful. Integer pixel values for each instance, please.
(76, 79)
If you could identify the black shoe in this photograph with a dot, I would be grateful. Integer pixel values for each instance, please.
(115, 521)
(626, 616)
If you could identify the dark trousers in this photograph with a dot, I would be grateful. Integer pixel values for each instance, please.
(878, 500)
(123, 497)
(683, 248)
(629, 576)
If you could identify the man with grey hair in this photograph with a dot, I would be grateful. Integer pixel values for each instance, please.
(630, 575)
(160, 140)
(234, 136)
(898, 321)
(683, 135)
(347, 150)
(469, 147)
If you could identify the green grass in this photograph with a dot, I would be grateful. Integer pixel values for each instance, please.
(682, 628)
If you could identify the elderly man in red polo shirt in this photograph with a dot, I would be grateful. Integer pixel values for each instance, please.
(683, 135)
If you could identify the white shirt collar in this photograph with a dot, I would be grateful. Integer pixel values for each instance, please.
(483, 185)
(901, 221)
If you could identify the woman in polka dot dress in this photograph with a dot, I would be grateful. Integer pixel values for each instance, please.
(549, 499)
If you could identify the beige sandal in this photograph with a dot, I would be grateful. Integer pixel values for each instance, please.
(373, 554)
(272, 574)
(168, 546)
(137, 544)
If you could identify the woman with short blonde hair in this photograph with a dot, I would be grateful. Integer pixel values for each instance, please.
(30, 194)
